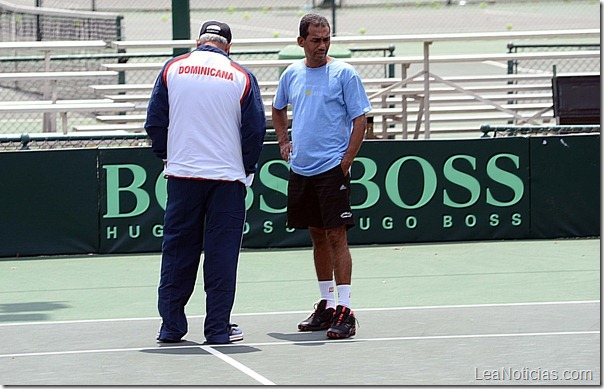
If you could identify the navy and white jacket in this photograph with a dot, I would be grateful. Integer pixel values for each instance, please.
(206, 117)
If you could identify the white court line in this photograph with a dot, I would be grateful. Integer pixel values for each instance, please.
(239, 366)
(299, 342)
(431, 337)
(306, 311)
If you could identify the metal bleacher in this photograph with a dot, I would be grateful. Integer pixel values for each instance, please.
(404, 106)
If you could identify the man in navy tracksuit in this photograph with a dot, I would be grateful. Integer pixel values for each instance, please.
(206, 121)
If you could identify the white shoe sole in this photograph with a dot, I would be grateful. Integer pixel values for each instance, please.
(235, 338)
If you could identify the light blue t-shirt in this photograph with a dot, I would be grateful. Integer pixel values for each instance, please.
(324, 102)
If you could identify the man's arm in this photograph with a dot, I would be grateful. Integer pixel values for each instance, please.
(253, 126)
(359, 126)
(280, 124)
(156, 124)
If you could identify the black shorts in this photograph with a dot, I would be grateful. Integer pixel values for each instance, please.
(319, 201)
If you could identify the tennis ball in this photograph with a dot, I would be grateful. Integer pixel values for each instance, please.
(509, 26)
(276, 34)
(246, 15)
(231, 9)
(363, 30)
(266, 9)
(300, 13)
(164, 18)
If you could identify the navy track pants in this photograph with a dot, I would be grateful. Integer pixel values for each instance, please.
(208, 215)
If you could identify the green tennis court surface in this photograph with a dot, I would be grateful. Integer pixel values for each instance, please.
(483, 313)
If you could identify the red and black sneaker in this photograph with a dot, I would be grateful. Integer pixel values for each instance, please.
(343, 325)
(320, 319)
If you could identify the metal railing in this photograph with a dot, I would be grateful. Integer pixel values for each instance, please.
(54, 141)
(537, 130)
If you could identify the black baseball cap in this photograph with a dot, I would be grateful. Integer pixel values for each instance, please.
(217, 28)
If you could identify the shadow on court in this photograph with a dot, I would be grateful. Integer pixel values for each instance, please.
(193, 348)
(31, 311)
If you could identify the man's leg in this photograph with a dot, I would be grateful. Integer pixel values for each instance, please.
(344, 322)
(322, 316)
(340, 254)
(324, 266)
(181, 251)
(322, 253)
(332, 189)
(303, 211)
(224, 231)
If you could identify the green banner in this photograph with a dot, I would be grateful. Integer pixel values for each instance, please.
(48, 202)
(411, 191)
(565, 186)
(113, 200)
(132, 200)
(418, 191)
(403, 191)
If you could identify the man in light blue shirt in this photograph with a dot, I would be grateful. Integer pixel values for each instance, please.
(329, 104)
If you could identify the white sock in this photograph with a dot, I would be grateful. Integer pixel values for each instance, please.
(327, 293)
(344, 295)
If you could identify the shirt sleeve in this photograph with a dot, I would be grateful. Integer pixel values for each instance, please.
(282, 96)
(355, 96)
(253, 126)
(156, 124)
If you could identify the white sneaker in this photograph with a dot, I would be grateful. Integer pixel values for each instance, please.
(235, 333)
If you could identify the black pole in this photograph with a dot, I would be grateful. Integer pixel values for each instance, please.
(181, 23)
(333, 17)
(38, 26)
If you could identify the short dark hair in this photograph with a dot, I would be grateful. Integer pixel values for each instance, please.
(312, 20)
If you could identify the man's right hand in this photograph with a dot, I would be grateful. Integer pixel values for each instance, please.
(286, 150)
